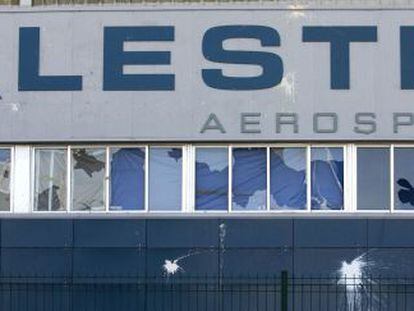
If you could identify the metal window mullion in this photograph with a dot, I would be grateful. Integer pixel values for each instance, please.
(146, 181)
(346, 182)
(34, 170)
(69, 179)
(230, 180)
(12, 184)
(268, 178)
(392, 154)
(184, 168)
(107, 179)
(308, 178)
(353, 178)
(191, 179)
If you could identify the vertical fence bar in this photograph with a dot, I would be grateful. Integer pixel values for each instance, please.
(284, 291)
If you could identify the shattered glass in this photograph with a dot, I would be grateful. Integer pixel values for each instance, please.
(5, 164)
(249, 179)
(212, 173)
(50, 180)
(403, 178)
(288, 178)
(88, 179)
(327, 175)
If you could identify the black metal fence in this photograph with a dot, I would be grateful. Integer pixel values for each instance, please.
(178, 293)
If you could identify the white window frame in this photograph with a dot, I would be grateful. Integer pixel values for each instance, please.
(350, 153)
(33, 177)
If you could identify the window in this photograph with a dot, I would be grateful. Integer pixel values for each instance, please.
(288, 178)
(373, 178)
(5, 175)
(216, 178)
(127, 183)
(50, 180)
(249, 179)
(403, 179)
(88, 179)
(165, 179)
(211, 180)
(327, 176)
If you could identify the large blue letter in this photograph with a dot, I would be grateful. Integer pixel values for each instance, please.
(271, 64)
(115, 58)
(407, 57)
(339, 37)
(29, 78)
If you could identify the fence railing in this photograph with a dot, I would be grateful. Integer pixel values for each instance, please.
(183, 293)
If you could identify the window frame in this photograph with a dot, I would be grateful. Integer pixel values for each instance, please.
(354, 203)
(192, 183)
(184, 178)
(33, 178)
(188, 187)
(345, 199)
(12, 178)
(392, 176)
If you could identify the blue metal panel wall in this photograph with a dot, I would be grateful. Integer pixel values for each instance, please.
(204, 246)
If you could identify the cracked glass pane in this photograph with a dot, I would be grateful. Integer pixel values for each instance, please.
(212, 174)
(88, 179)
(50, 180)
(403, 178)
(327, 175)
(249, 179)
(288, 178)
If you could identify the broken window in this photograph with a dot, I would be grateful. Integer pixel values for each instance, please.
(127, 179)
(211, 183)
(50, 180)
(5, 164)
(249, 179)
(327, 175)
(288, 178)
(165, 179)
(403, 178)
(88, 179)
(373, 178)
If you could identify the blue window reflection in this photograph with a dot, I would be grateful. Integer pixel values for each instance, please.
(249, 179)
(288, 178)
(327, 165)
(165, 175)
(127, 179)
(212, 173)
(404, 178)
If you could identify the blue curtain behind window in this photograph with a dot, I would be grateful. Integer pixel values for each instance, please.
(212, 179)
(288, 178)
(165, 174)
(249, 178)
(127, 179)
(327, 178)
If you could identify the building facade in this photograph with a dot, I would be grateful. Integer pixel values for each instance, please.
(174, 140)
